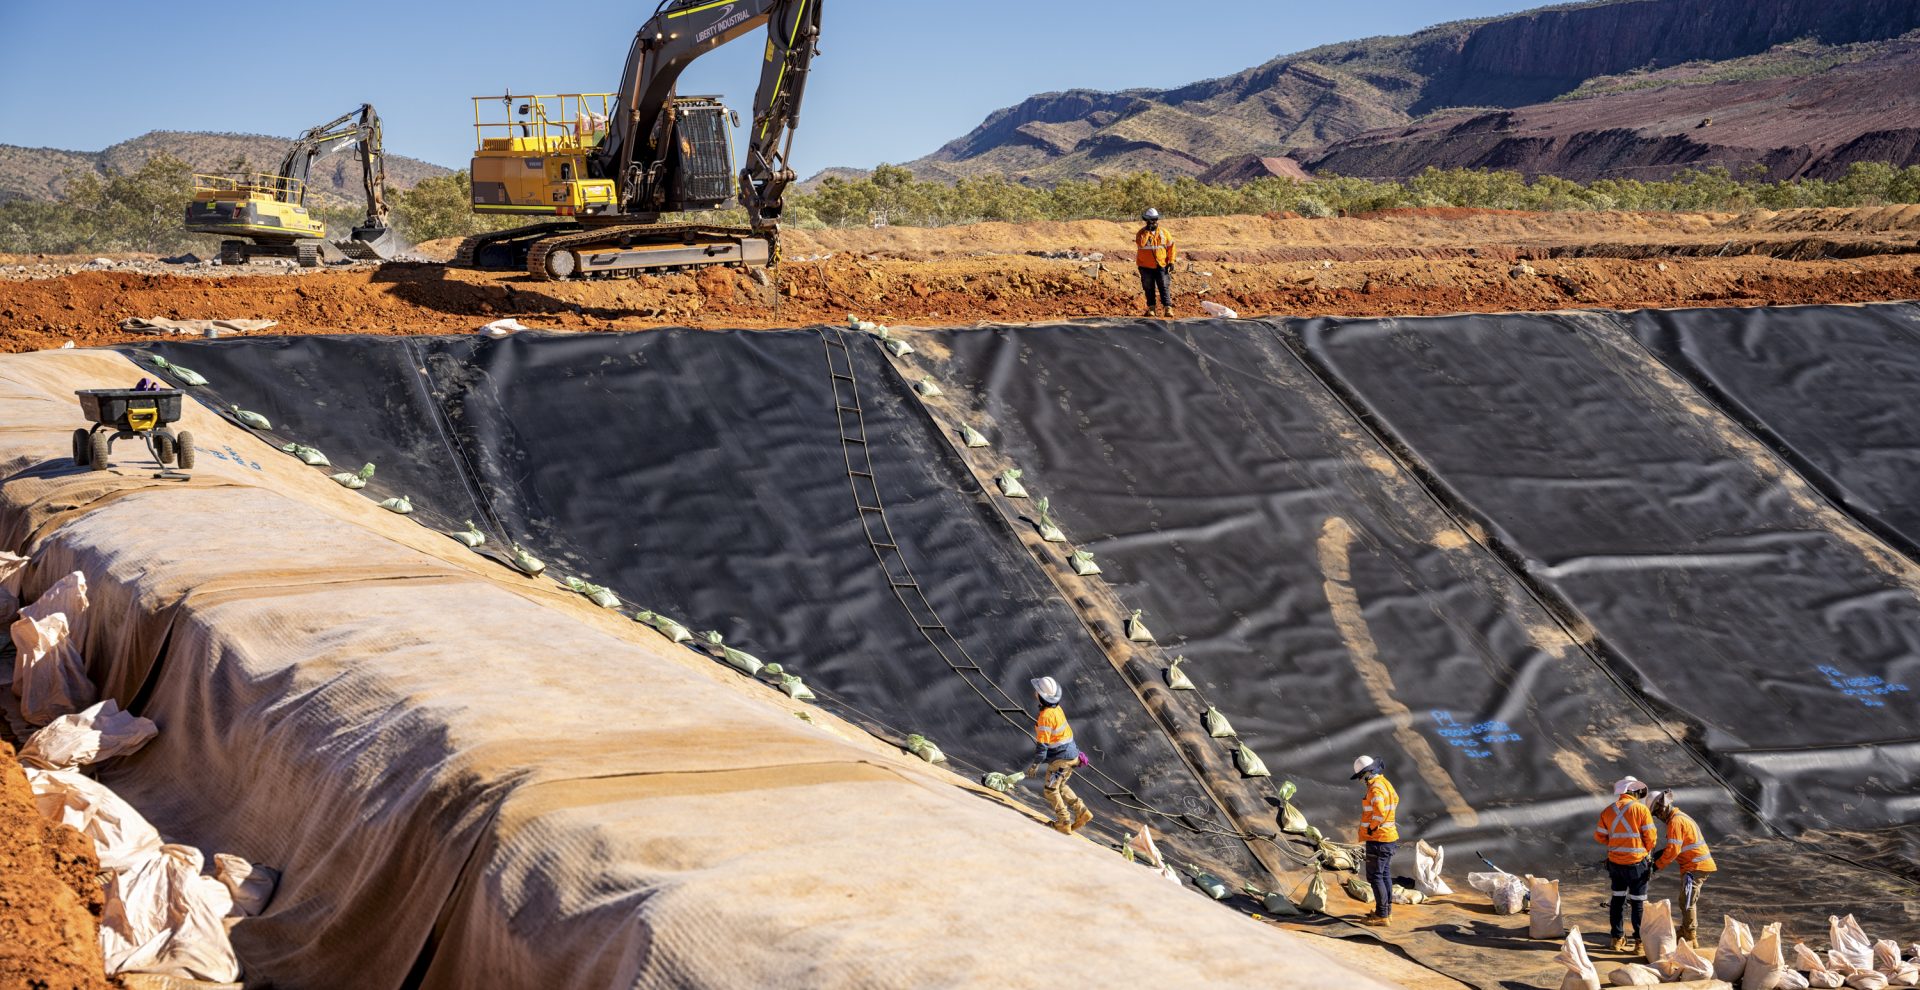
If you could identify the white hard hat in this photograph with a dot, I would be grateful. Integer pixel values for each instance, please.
(1048, 689)
(1151, 214)
(1627, 783)
(1362, 765)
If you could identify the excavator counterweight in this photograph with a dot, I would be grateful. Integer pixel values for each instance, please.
(614, 170)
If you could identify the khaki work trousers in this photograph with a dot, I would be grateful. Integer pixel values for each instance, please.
(1691, 886)
(1066, 805)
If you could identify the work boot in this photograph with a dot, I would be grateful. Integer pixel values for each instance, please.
(1619, 943)
(1633, 945)
(1064, 828)
(1080, 821)
(1150, 314)
(1688, 936)
(1375, 921)
(1167, 311)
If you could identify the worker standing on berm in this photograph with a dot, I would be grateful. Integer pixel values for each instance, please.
(1626, 829)
(1687, 846)
(1378, 833)
(1156, 262)
(1053, 748)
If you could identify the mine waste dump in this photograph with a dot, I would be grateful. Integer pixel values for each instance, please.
(1516, 557)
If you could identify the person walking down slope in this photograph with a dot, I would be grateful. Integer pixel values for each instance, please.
(1688, 847)
(1378, 833)
(1053, 748)
(1626, 829)
(1156, 257)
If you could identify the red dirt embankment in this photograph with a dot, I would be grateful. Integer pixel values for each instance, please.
(50, 900)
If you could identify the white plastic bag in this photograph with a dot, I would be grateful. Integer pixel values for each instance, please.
(1686, 964)
(121, 837)
(163, 917)
(1214, 309)
(1658, 937)
(250, 886)
(1730, 957)
(100, 733)
(1634, 975)
(1427, 863)
(1142, 844)
(1766, 967)
(1509, 893)
(1573, 954)
(11, 566)
(1543, 914)
(1850, 943)
(49, 673)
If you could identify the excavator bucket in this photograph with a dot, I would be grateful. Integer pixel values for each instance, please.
(371, 244)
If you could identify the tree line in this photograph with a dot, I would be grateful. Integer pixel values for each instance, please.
(141, 210)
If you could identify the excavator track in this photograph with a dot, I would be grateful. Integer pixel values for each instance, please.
(471, 250)
(631, 248)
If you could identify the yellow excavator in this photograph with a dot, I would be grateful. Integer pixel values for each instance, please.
(609, 166)
(270, 210)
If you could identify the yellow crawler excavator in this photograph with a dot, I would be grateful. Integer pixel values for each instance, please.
(609, 166)
(267, 216)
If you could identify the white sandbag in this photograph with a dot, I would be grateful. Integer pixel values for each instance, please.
(1908, 976)
(163, 917)
(1543, 913)
(1730, 957)
(249, 885)
(1864, 980)
(1826, 979)
(1573, 954)
(100, 733)
(1790, 980)
(49, 673)
(11, 567)
(1216, 310)
(1407, 895)
(1508, 892)
(1427, 863)
(1806, 960)
(1886, 956)
(121, 837)
(1766, 965)
(1634, 975)
(1315, 899)
(1850, 944)
(1658, 938)
(1686, 964)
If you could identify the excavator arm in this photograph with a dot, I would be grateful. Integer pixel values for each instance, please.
(360, 126)
(641, 134)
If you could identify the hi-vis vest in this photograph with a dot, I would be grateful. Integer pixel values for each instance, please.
(1626, 829)
(1686, 844)
(1156, 248)
(1377, 814)
(1052, 728)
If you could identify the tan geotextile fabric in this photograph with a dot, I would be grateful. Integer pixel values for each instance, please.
(469, 778)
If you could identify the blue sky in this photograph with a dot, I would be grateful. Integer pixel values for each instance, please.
(895, 80)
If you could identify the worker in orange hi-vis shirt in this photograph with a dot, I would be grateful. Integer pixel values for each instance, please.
(1156, 257)
(1626, 829)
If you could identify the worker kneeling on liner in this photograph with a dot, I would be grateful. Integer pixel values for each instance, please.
(1053, 748)
(1156, 256)
(1626, 829)
(1378, 833)
(1688, 847)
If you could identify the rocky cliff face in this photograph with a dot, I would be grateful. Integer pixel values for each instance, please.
(1328, 95)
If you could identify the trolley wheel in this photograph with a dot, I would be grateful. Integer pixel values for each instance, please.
(81, 448)
(183, 451)
(99, 444)
(163, 446)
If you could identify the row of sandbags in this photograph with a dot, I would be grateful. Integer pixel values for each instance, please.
(164, 914)
(1749, 962)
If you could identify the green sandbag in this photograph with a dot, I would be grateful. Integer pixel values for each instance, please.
(1048, 531)
(1010, 485)
(1292, 821)
(599, 595)
(745, 663)
(1137, 628)
(525, 562)
(1249, 763)
(181, 374)
(355, 480)
(894, 345)
(1275, 904)
(1211, 885)
(972, 437)
(928, 388)
(1006, 782)
(1217, 725)
(251, 419)
(924, 748)
(1288, 790)
(398, 504)
(856, 323)
(1083, 564)
(1357, 889)
(307, 455)
(1335, 858)
(1312, 834)
(795, 688)
(668, 628)
(1316, 900)
(1177, 679)
(471, 536)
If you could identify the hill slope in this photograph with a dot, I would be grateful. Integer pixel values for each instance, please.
(1325, 95)
(38, 173)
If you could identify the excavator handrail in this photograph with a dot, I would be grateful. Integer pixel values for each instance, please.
(553, 130)
(282, 187)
